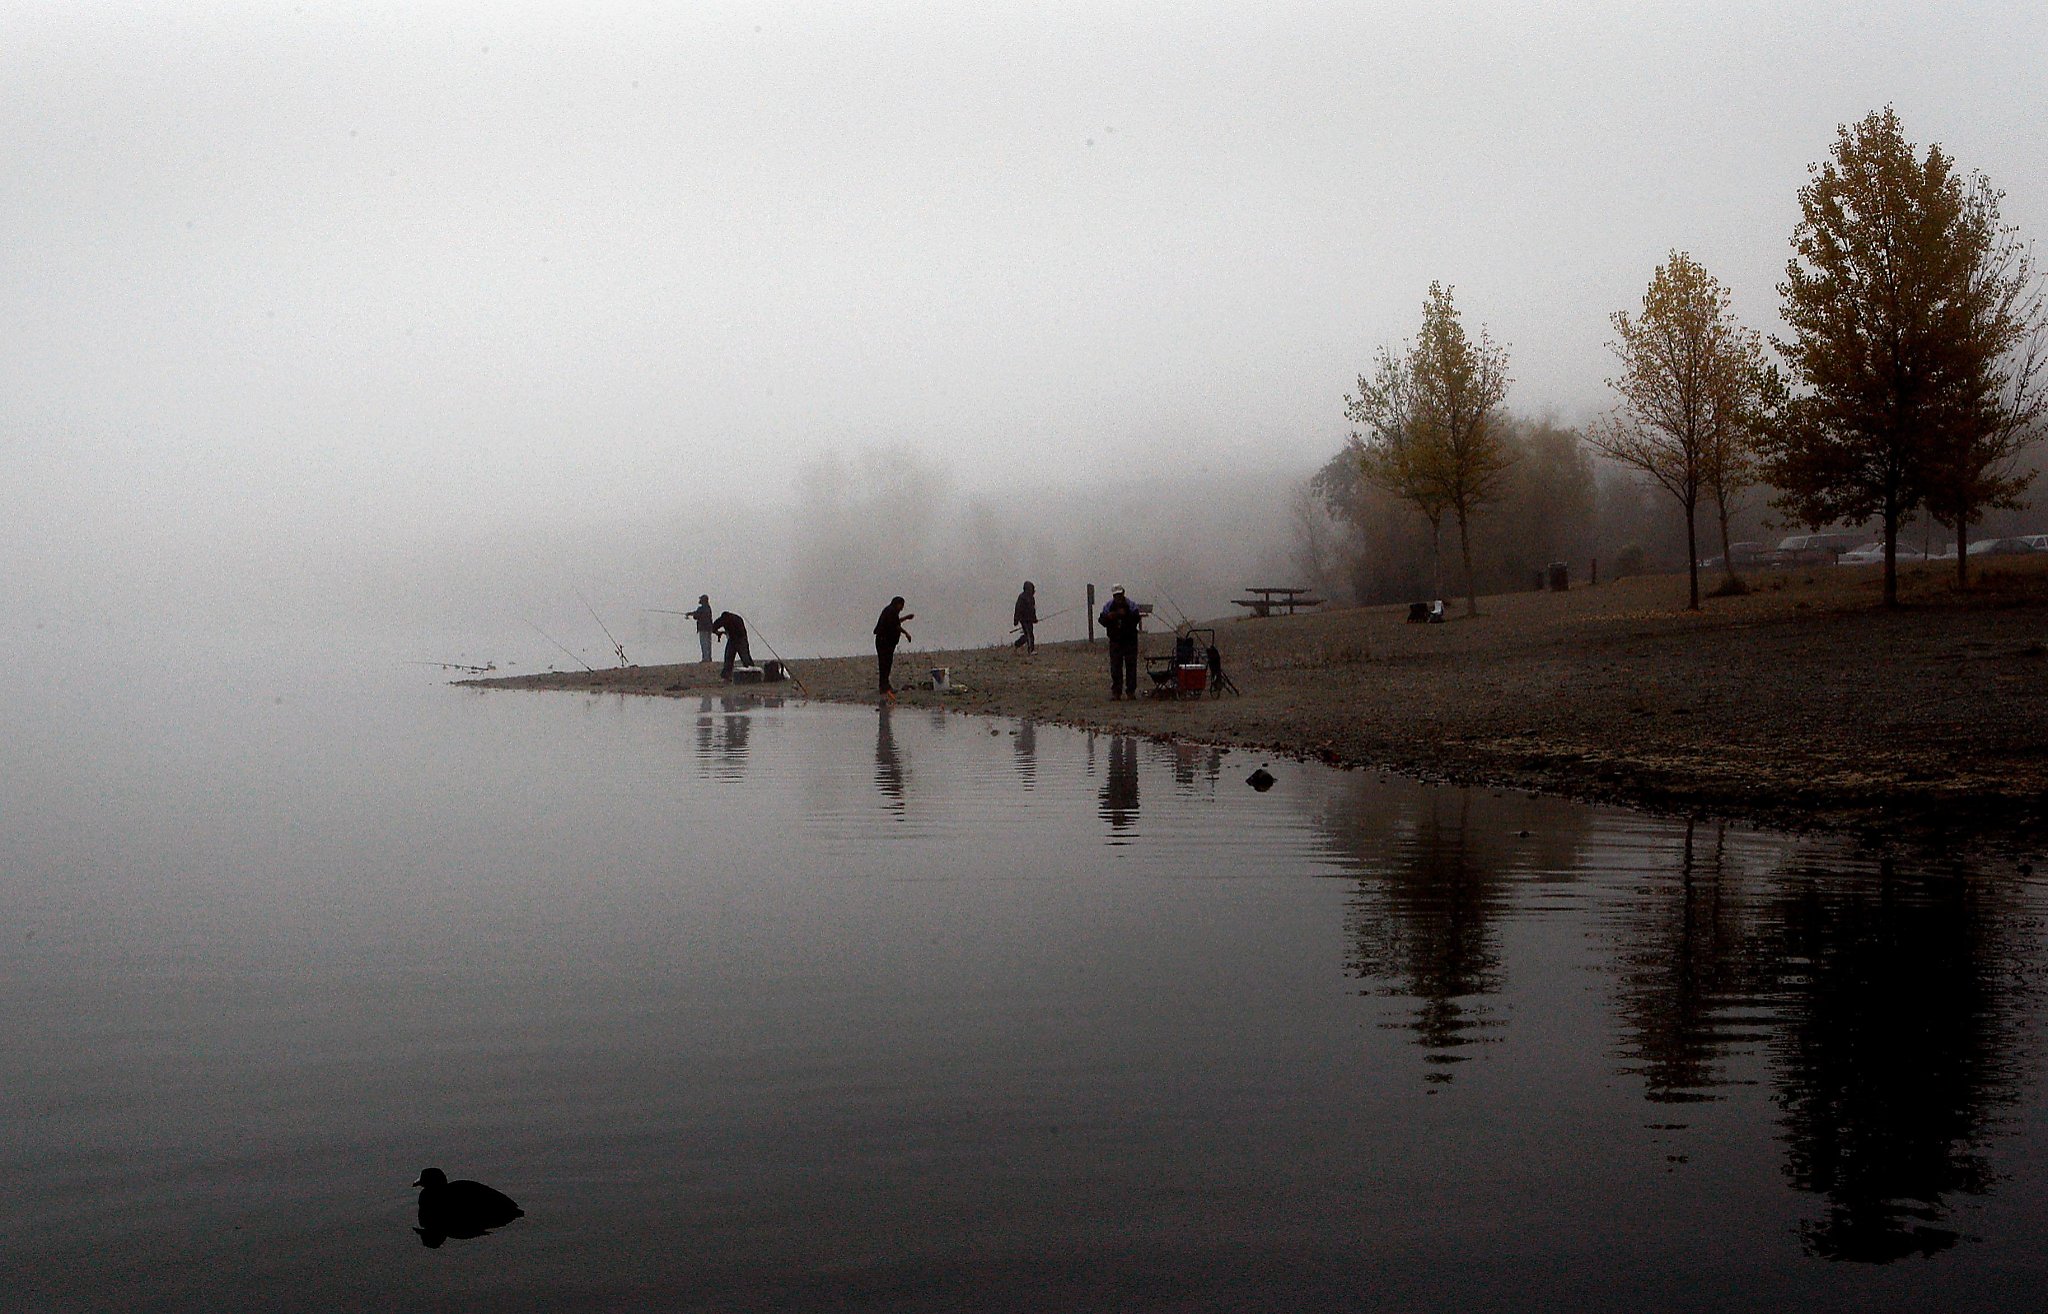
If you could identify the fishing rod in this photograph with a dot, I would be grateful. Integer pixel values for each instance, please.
(564, 647)
(617, 647)
(464, 667)
(1184, 619)
(793, 677)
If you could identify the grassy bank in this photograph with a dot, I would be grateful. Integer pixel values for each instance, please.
(1801, 704)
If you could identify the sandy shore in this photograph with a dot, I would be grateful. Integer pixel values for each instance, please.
(1801, 705)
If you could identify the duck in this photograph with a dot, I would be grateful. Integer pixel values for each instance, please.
(460, 1209)
(1261, 779)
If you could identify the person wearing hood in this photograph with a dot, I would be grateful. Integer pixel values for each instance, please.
(1025, 618)
(1121, 621)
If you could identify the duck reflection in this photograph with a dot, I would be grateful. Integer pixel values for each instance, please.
(1119, 798)
(1900, 1018)
(890, 775)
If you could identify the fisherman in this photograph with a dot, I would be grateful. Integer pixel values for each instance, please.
(702, 615)
(888, 632)
(1025, 618)
(1121, 620)
(735, 631)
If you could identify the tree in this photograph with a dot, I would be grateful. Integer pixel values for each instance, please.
(1690, 381)
(1429, 424)
(1892, 303)
(1974, 463)
(1395, 447)
(1547, 511)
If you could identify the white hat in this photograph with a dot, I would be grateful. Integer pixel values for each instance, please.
(1118, 589)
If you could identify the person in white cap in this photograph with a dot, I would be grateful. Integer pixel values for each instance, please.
(1120, 623)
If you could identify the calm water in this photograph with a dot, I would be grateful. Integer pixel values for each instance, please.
(806, 1007)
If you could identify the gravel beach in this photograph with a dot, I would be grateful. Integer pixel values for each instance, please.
(1802, 704)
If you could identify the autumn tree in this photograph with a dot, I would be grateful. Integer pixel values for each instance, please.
(1974, 462)
(1691, 379)
(1396, 449)
(1428, 424)
(1893, 301)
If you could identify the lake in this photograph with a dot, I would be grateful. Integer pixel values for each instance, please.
(800, 1006)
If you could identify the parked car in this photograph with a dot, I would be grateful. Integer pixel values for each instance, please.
(2005, 547)
(1745, 554)
(1814, 549)
(1872, 554)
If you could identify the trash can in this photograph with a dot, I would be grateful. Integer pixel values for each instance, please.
(1560, 576)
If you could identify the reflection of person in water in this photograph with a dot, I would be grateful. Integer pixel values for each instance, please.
(1120, 785)
(1027, 752)
(738, 726)
(889, 773)
(722, 737)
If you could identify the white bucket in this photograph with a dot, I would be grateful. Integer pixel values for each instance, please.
(942, 678)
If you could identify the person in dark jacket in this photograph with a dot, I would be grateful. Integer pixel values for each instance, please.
(735, 631)
(889, 632)
(1025, 618)
(1121, 620)
(702, 615)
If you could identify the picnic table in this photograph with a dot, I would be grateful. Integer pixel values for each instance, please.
(1271, 600)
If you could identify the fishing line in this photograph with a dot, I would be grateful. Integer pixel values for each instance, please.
(793, 677)
(564, 647)
(617, 647)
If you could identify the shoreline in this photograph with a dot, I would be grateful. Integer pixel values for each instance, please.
(1800, 706)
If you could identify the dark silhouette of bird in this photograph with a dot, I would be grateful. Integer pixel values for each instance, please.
(461, 1209)
(1261, 779)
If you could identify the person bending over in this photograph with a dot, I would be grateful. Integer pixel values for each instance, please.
(735, 631)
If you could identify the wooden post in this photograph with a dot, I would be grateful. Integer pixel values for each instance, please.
(1091, 614)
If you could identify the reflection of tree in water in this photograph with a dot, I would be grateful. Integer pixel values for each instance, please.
(1683, 962)
(1436, 866)
(890, 774)
(1120, 785)
(1900, 1021)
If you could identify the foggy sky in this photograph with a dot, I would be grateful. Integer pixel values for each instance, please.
(296, 288)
